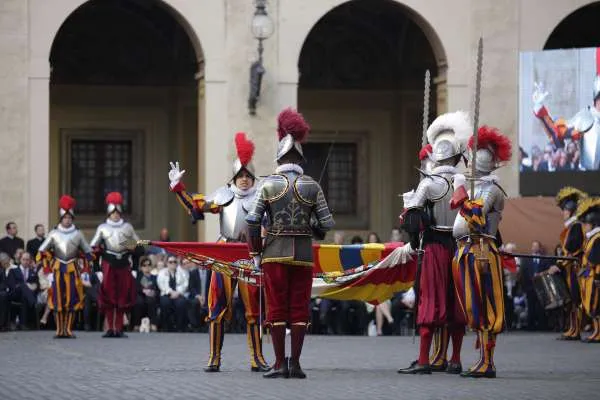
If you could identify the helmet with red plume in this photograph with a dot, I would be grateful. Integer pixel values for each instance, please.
(493, 149)
(292, 131)
(114, 201)
(245, 150)
(66, 206)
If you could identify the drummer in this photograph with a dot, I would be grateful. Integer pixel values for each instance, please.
(571, 242)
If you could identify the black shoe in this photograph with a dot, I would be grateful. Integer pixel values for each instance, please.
(454, 368)
(87, 328)
(416, 369)
(260, 368)
(121, 335)
(439, 368)
(281, 372)
(474, 374)
(71, 336)
(212, 368)
(60, 337)
(295, 370)
(109, 334)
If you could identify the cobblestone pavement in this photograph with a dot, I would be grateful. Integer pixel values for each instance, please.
(169, 366)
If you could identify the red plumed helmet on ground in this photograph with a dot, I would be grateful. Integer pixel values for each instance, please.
(292, 122)
(114, 201)
(66, 204)
(492, 139)
(425, 151)
(244, 148)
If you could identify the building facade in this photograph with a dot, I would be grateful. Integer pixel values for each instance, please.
(101, 95)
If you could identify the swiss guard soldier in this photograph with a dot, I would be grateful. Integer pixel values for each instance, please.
(117, 292)
(296, 210)
(232, 203)
(429, 219)
(60, 253)
(588, 212)
(571, 241)
(477, 267)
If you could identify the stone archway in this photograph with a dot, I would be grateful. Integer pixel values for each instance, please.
(361, 73)
(578, 29)
(123, 102)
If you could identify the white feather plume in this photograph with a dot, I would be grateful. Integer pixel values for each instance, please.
(458, 122)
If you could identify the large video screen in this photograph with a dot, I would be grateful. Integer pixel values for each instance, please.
(559, 120)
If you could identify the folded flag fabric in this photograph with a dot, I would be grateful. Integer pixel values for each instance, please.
(367, 272)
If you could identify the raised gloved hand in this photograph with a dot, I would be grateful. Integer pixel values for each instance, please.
(458, 181)
(175, 174)
(539, 96)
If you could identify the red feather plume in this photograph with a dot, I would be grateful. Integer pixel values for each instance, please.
(489, 137)
(425, 151)
(114, 198)
(244, 148)
(292, 122)
(66, 202)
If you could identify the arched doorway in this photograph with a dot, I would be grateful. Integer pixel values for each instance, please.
(123, 102)
(578, 29)
(362, 70)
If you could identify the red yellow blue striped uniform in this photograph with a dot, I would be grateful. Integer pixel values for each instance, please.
(590, 291)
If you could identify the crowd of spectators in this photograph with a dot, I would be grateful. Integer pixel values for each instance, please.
(172, 294)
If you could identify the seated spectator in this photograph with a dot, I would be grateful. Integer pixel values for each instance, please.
(197, 295)
(91, 284)
(22, 287)
(34, 244)
(45, 282)
(11, 242)
(356, 240)
(4, 303)
(395, 236)
(173, 285)
(146, 304)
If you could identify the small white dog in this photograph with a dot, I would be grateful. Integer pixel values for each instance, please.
(145, 325)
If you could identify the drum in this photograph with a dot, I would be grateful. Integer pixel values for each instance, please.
(551, 290)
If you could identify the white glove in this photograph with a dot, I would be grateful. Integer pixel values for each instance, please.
(257, 260)
(539, 96)
(459, 180)
(408, 299)
(175, 174)
(401, 255)
(407, 198)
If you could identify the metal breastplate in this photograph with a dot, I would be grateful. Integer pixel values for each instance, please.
(493, 200)
(233, 218)
(66, 245)
(587, 121)
(590, 148)
(291, 200)
(112, 237)
(443, 215)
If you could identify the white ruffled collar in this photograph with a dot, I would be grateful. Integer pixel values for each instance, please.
(290, 167)
(444, 169)
(489, 178)
(242, 193)
(113, 223)
(66, 230)
(570, 221)
(592, 232)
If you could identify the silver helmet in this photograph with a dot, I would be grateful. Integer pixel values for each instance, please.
(292, 130)
(245, 150)
(287, 144)
(485, 162)
(448, 134)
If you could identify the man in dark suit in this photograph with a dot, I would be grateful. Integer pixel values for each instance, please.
(146, 303)
(22, 282)
(11, 242)
(197, 296)
(4, 303)
(530, 268)
(34, 244)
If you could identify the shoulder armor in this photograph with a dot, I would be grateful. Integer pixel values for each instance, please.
(306, 189)
(274, 186)
(221, 196)
(440, 187)
(582, 121)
